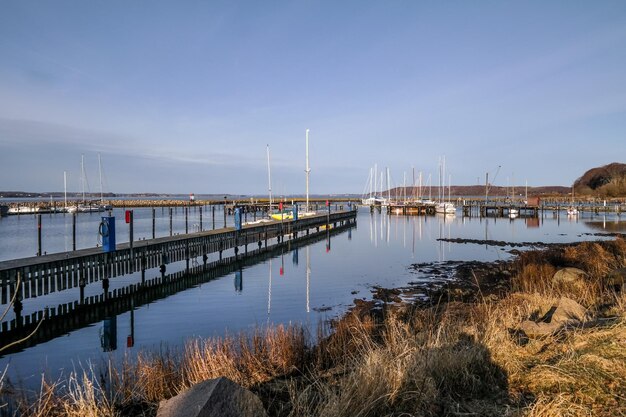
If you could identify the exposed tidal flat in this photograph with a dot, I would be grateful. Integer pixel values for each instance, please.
(419, 325)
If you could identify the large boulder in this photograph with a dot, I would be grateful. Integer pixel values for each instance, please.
(568, 276)
(566, 313)
(218, 397)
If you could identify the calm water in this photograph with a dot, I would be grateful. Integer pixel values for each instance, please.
(377, 252)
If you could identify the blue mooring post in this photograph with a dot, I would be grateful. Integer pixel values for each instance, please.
(107, 232)
(295, 212)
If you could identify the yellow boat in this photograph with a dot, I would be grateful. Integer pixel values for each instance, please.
(283, 215)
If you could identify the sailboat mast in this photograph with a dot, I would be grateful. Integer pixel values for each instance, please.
(100, 172)
(420, 188)
(413, 185)
(308, 170)
(65, 188)
(430, 187)
(439, 188)
(404, 186)
(388, 186)
(526, 192)
(375, 179)
(82, 174)
(269, 177)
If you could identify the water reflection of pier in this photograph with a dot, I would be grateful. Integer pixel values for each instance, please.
(109, 304)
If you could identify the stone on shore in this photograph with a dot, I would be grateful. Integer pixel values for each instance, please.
(219, 397)
(568, 276)
(566, 313)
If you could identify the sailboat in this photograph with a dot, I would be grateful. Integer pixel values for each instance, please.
(85, 207)
(571, 210)
(281, 214)
(445, 207)
(513, 212)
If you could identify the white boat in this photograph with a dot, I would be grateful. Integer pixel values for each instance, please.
(447, 208)
(571, 210)
(514, 211)
(23, 210)
(86, 208)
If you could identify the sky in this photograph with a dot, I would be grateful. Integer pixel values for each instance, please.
(184, 96)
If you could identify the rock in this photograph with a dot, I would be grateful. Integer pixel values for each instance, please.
(567, 313)
(218, 397)
(568, 276)
(536, 330)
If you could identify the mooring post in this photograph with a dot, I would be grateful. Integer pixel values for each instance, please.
(224, 212)
(200, 220)
(130, 230)
(213, 214)
(73, 231)
(170, 221)
(186, 220)
(81, 285)
(327, 215)
(153, 223)
(39, 235)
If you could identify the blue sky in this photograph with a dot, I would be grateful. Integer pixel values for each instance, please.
(184, 96)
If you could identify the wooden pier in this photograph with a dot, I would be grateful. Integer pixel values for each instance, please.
(41, 275)
(74, 315)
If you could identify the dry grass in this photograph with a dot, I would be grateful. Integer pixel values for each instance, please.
(454, 359)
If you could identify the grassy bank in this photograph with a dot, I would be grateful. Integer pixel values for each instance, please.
(462, 355)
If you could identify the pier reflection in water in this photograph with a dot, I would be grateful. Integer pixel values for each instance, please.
(275, 287)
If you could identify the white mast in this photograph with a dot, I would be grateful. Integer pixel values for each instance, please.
(388, 186)
(269, 176)
(308, 170)
(420, 188)
(404, 186)
(82, 174)
(375, 179)
(439, 191)
(413, 195)
(100, 171)
(65, 187)
(526, 192)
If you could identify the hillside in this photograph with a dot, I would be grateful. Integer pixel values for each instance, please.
(605, 181)
(479, 191)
